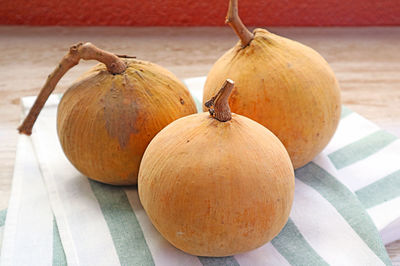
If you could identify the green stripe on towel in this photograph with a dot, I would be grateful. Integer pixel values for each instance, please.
(361, 149)
(296, 250)
(223, 261)
(198, 105)
(345, 112)
(59, 258)
(124, 227)
(383, 190)
(3, 214)
(346, 203)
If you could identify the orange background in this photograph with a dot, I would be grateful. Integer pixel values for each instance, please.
(199, 13)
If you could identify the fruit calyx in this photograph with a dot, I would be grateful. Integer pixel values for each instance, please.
(86, 51)
(218, 105)
(234, 21)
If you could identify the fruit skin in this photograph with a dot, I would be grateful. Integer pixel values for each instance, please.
(216, 188)
(285, 86)
(105, 121)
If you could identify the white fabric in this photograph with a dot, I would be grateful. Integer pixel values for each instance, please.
(85, 235)
(163, 252)
(28, 232)
(328, 226)
(78, 214)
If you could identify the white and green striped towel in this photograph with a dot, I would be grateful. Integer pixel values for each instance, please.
(57, 216)
(3, 214)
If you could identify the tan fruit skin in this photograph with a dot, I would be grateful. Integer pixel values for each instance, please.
(105, 121)
(216, 188)
(285, 86)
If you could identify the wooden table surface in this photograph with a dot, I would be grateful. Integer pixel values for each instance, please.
(365, 60)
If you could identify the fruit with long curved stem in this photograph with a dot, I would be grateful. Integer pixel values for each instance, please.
(282, 84)
(216, 185)
(106, 119)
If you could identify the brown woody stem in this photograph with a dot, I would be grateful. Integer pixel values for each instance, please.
(218, 105)
(76, 52)
(233, 19)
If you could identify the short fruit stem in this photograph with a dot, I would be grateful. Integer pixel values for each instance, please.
(233, 19)
(218, 106)
(76, 52)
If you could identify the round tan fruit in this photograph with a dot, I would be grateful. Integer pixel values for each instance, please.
(285, 86)
(106, 119)
(215, 188)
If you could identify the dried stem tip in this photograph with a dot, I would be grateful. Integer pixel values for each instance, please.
(233, 20)
(218, 106)
(76, 52)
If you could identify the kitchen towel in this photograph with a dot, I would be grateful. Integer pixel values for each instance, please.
(3, 214)
(57, 216)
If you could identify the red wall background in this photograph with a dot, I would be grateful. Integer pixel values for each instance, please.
(199, 13)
